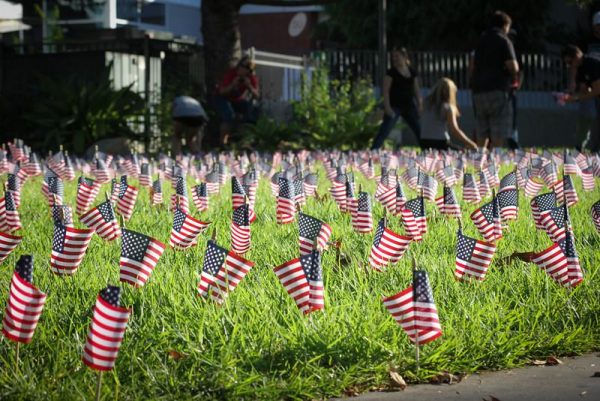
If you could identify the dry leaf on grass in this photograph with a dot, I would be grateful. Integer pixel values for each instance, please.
(538, 362)
(397, 381)
(492, 398)
(176, 355)
(446, 378)
(552, 361)
(351, 391)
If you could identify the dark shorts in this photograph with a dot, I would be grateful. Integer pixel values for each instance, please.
(493, 114)
(227, 110)
(190, 121)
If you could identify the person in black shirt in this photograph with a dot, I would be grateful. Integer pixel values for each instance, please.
(401, 97)
(587, 79)
(494, 69)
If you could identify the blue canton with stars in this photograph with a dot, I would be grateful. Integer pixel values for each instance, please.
(24, 267)
(364, 202)
(309, 227)
(112, 295)
(214, 258)
(421, 288)
(240, 216)
(134, 245)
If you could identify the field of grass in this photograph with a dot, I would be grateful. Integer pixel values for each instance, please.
(258, 345)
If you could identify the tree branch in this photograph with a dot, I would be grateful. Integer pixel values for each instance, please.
(291, 3)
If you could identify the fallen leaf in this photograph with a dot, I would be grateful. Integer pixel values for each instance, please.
(538, 362)
(397, 381)
(582, 393)
(351, 392)
(552, 361)
(175, 355)
(492, 398)
(445, 378)
(596, 374)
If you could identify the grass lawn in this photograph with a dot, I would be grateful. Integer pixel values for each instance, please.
(258, 345)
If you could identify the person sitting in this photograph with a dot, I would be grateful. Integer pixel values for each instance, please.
(439, 115)
(235, 93)
(188, 118)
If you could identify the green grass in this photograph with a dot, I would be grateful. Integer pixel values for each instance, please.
(257, 345)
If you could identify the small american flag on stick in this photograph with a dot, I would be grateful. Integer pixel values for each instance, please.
(414, 218)
(473, 257)
(595, 212)
(87, 190)
(303, 280)
(8, 243)
(102, 220)
(362, 220)
(312, 230)
(200, 197)
(139, 256)
(240, 230)
(106, 331)
(388, 246)
(185, 230)
(25, 303)
(68, 249)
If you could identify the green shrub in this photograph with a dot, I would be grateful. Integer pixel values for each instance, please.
(334, 113)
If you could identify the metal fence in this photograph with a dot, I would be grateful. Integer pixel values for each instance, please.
(540, 72)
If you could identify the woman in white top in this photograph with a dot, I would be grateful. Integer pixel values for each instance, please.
(439, 117)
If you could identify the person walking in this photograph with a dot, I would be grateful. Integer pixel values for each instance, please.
(440, 114)
(401, 97)
(494, 69)
(587, 83)
(188, 118)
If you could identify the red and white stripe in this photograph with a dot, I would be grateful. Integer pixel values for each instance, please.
(479, 263)
(362, 222)
(75, 245)
(126, 203)
(8, 243)
(85, 196)
(292, 277)
(286, 209)
(136, 272)
(390, 249)
(107, 230)
(186, 237)
(25, 305)
(105, 336)
(554, 262)
(229, 276)
(307, 245)
(240, 238)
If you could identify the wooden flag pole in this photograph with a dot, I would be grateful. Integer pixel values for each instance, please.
(98, 385)
(414, 268)
(17, 347)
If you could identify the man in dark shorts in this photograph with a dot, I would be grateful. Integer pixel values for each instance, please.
(587, 81)
(188, 118)
(494, 69)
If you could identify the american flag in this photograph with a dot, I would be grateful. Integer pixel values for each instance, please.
(106, 331)
(139, 255)
(156, 192)
(484, 186)
(570, 165)
(540, 204)
(595, 211)
(554, 222)
(68, 170)
(448, 204)
(388, 247)
(303, 280)
(473, 257)
(9, 215)
(185, 230)
(68, 248)
(180, 197)
(238, 193)
(222, 271)
(16, 150)
(126, 200)
(470, 189)
(312, 230)
(223, 173)
(54, 190)
(587, 176)
(13, 185)
(428, 186)
(459, 169)
(32, 167)
(565, 189)
(57, 164)
(200, 197)
(446, 176)
(240, 230)
(487, 221)
(351, 201)
(532, 187)
(491, 173)
(508, 201)
(62, 214)
(25, 303)
(102, 220)
(87, 190)
(367, 168)
(286, 207)
(250, 183)
(549, 174)
(414, 218)
(212, 182)
(386, 195)
(145, 177)
(101, 172)
(509, 181)
(8, 243)
(275, 183)
(310, 184)
(338, 191)
(573, 266)
(554, 262)
(414, 310)
(299, 197)
(362, 220)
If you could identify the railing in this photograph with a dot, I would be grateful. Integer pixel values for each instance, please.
(540, 72)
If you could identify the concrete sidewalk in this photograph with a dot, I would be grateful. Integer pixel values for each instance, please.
(570, 381)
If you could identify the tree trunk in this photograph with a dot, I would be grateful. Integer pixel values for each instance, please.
(222, 47)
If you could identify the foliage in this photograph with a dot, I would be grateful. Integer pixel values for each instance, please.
(333, 113)
(267, 135)
(77, 114)
(427, 25)
(258, 346)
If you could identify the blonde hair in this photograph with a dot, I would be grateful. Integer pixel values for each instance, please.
(444, 91)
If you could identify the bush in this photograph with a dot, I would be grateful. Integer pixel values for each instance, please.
(334, 113)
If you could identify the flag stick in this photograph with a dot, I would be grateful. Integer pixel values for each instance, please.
(98, 385)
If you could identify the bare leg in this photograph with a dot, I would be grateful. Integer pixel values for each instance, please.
(224, 131)
(178, 129)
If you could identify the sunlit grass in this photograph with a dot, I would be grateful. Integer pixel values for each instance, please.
(258, 345)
